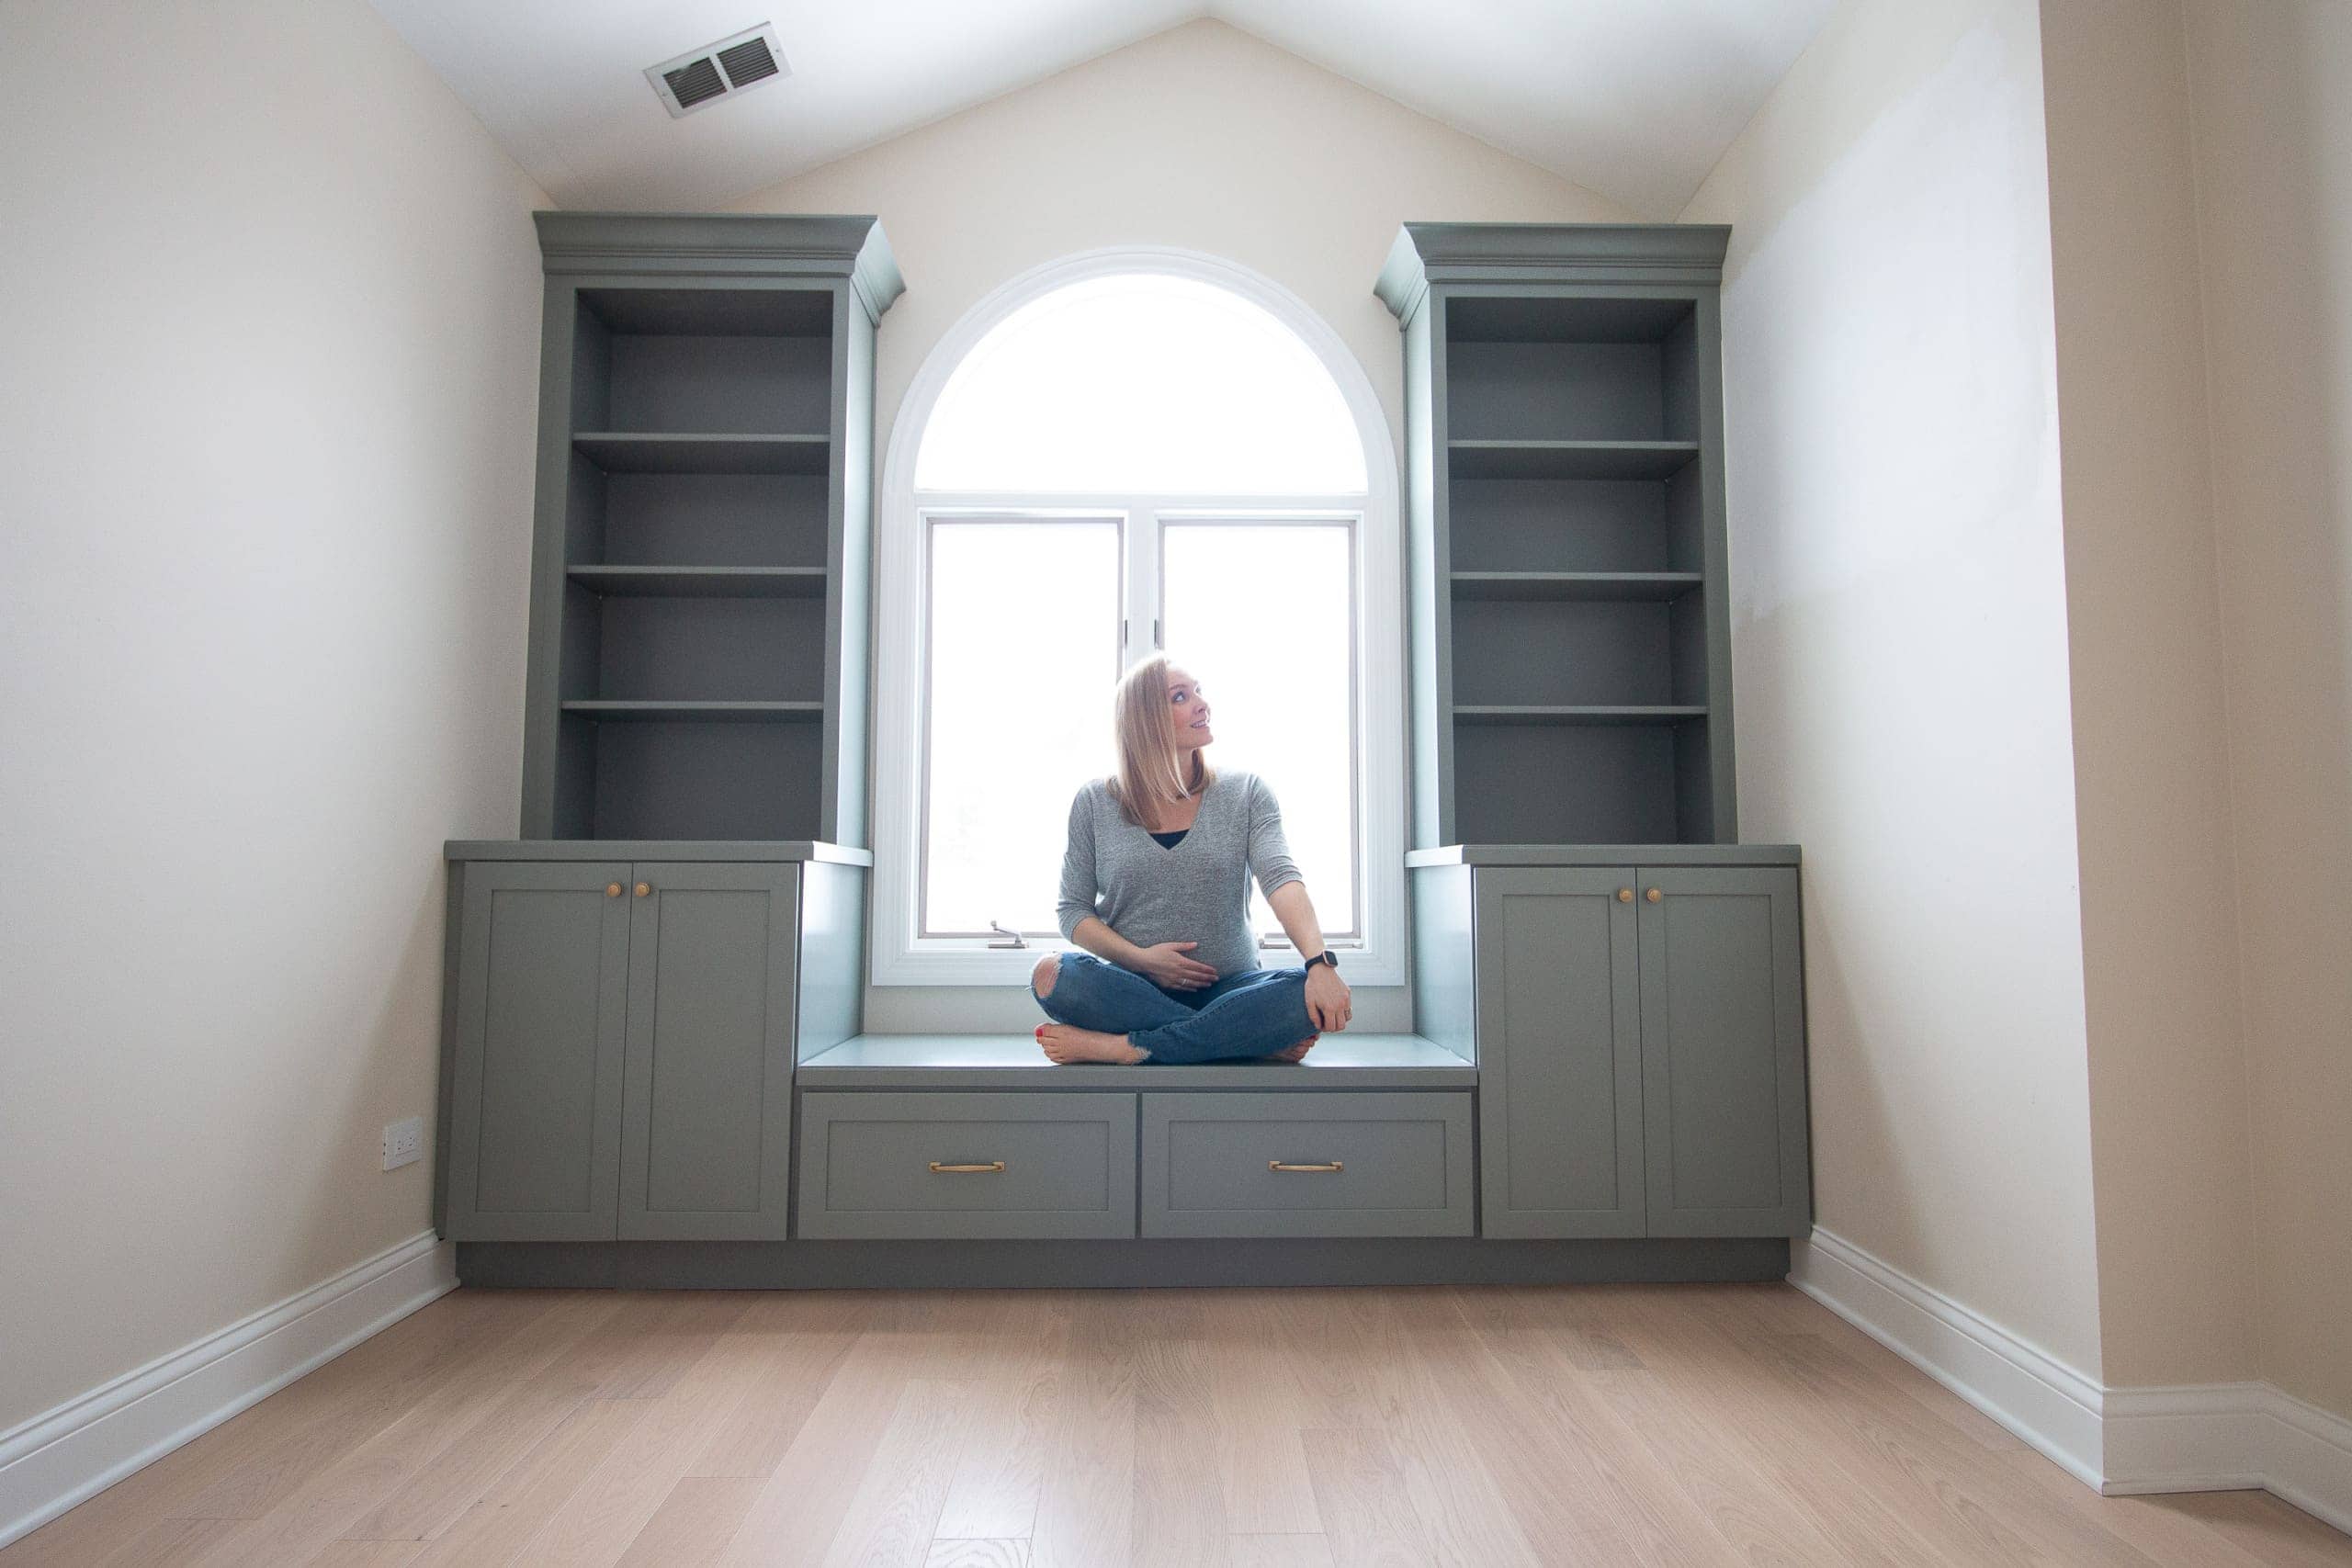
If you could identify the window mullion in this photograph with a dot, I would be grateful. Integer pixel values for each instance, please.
(1142, 605)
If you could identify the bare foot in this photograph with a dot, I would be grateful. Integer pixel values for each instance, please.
(1065, 1044)
(1296, 1053)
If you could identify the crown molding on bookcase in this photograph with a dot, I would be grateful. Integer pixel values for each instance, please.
(818, 244)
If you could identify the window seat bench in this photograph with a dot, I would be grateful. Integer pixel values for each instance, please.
(1342, 1061)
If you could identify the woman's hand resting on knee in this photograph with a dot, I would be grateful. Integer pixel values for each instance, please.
(1328, 1005)
(1169, 964)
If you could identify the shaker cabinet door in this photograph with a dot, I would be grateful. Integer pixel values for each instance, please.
(1559, 1053)
(535, 1120)
(1723, 1052)
(706, 1150)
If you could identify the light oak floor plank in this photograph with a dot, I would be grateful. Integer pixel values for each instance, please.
(1086, 1501)
(1296, 1429)
(1261, 1410)
(969, 1552)
(1301, 1550)
(694, 1523)
(802, 1502)
(519, 1504)
(323, 1509)
(1000, 1472)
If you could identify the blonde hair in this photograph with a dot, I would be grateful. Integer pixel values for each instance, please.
(1149, 759)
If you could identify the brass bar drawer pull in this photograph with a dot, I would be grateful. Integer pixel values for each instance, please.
(994, 1165)
(1278, 1164)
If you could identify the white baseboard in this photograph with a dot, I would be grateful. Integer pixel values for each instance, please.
(2124, 1441)
(2208, 1438)
(2220, 1437)
(88, 1444)
(2310, 1458)
(2031, 1392)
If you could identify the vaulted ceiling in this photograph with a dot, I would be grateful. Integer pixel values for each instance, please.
(1632, 99)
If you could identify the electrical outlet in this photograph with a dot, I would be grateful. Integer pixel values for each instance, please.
(403, 1143)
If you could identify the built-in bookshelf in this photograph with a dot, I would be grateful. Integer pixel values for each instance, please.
(1570, 645)
(700, 590)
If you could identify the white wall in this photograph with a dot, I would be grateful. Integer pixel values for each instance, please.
(2153, 808)
(1201, 138)
(2274, 187)
(1899, 640)
(269, 301)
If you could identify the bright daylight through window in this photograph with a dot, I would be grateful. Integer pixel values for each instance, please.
(1131, 457)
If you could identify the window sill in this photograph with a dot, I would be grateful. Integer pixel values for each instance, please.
(943, 966)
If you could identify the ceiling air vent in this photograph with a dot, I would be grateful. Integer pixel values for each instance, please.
(716, 71)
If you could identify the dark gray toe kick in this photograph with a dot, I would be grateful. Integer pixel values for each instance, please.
(1088, 1265)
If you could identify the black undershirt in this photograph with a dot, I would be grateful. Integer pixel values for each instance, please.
(1170, 841)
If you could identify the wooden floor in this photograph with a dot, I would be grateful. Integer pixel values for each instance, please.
(1610, 1425)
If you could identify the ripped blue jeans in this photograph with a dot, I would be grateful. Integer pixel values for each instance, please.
(1254, 1013)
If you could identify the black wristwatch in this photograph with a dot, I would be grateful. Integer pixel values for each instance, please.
(1326, 956)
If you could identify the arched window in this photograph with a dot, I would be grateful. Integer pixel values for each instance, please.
(1121, 455)
(1141, 382)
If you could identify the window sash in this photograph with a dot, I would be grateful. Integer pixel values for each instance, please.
(1144, 523)
(1166, 520)
(932, 522)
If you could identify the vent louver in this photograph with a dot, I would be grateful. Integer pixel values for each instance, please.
(748, 62)
(691, 84)
(718, 71)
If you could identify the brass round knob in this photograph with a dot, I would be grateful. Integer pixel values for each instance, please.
(1624, 895)
(1653, 895)
(645, 887)
(612, 890)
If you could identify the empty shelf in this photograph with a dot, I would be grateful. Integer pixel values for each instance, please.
(1492, 713)
(1586, 585)
(703, 581)
(730, 712)
(619, 452)
(1568, 460)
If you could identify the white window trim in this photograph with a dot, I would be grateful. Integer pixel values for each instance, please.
(896, 957)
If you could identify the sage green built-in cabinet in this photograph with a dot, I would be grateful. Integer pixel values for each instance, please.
(534, 1123)
(707, 1074)
(1559, 1034)
(1640, 1038)
(1587, 925)
(630, 980)
(701, 576)
(1567, 582)
(1723, 1123)
(622, 1062)
(652, 1018)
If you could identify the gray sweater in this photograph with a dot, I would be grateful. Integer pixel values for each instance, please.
(1199, 891)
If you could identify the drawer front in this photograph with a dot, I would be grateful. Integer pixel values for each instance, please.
(921, 1166)
(1308, 1164)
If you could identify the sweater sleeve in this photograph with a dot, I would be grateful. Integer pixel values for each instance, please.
(1270, 860)
(1078, 887)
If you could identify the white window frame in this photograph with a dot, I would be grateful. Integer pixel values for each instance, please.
(897, 957)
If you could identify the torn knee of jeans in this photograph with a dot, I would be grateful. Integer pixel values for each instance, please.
(1049, 970)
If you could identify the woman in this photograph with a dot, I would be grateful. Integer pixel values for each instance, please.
(1170, 969)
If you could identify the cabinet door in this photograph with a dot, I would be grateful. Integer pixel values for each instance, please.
(706, 1105)
(1559, 1053)
(535, 1123)
(1723, 1052)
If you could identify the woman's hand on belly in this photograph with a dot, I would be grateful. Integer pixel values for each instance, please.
(1169, 964)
